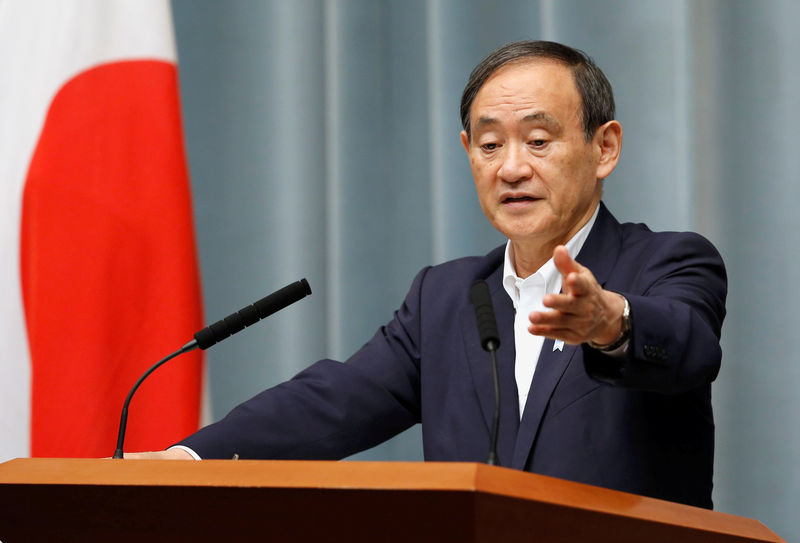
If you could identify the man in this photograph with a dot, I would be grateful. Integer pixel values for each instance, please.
(609, 332)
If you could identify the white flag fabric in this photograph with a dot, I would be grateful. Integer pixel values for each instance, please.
(99, 276)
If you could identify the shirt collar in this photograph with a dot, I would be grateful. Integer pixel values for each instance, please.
(548, 272)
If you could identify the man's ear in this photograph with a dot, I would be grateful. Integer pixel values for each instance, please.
(465, 140)
(608, 142)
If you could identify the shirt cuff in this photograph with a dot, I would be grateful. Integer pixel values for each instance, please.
(620, 351)
(187, 449)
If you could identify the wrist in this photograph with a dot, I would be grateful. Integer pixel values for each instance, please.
(624, 330)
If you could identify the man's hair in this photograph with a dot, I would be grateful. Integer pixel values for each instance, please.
(592, 85)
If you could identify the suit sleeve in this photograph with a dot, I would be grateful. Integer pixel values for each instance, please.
(331, 409)
(677, 302)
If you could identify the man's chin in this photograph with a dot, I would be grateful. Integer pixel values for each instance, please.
(523, 231)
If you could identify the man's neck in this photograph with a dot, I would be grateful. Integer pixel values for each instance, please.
(529, 255)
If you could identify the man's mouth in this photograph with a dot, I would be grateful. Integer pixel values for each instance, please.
(515, 199)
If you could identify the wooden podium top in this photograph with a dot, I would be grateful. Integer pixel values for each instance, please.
(531, 500)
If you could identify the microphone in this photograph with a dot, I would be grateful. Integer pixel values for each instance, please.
(480, 297)
(484, 313)
(238, 321)
(222, 329)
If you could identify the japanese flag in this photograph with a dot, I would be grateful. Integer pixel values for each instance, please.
(99, 272)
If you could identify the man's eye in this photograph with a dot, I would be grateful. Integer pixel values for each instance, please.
(489, 146)
(538, 143)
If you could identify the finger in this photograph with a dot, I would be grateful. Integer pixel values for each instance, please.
(565, 303)
(564, 263)
(557, 319)
(571, 272)
(544, 318)
(578, 283)
(573, 300)
(564, 334)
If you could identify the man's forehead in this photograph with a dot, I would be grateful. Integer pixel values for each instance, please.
(537, 73)
(532, 67)
(542, 90)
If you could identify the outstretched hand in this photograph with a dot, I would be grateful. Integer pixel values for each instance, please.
(169, 454)
(583, 312)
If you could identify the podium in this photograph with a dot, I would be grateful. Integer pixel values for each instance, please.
(296, 501)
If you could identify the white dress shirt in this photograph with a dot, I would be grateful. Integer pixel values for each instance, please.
(527, 295)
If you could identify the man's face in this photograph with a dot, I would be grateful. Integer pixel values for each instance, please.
(536, 176)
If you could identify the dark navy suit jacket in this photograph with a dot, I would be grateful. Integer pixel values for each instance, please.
(641, 423)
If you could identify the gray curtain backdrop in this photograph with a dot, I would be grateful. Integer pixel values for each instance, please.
(323, 143)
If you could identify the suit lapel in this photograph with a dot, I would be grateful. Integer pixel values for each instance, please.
(480, 365)
(548, 372)
(599, 253)
(601, 249)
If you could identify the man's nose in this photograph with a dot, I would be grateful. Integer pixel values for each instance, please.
(516, 164)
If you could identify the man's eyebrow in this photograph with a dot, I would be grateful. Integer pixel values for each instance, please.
(544, 118)
(484, 121)
(541, 117)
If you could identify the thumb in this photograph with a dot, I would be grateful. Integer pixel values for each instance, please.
(564, 262)
(566, 266)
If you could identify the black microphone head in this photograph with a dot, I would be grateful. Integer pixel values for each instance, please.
(282, 298)
(481, 298)
(479, 293)
(235, 322)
